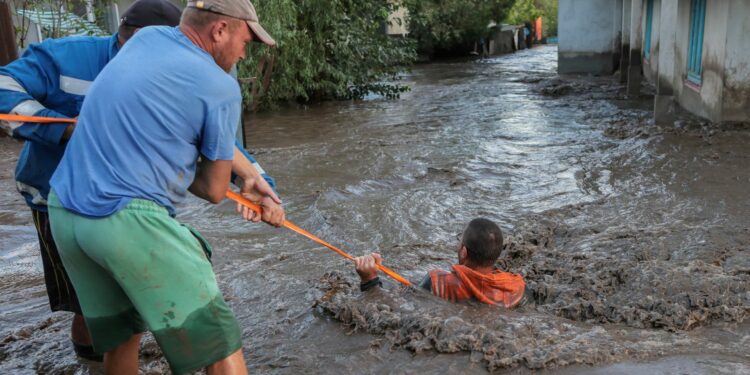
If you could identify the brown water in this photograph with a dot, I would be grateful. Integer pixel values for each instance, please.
(633, 237)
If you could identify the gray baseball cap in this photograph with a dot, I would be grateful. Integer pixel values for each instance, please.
(242, 9)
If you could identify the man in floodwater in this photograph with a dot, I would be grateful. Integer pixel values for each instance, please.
(474, 277)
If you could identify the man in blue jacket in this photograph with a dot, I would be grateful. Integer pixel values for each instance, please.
(51, 80)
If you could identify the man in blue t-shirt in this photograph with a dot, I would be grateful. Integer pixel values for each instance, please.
(51, 80)
(145, 137)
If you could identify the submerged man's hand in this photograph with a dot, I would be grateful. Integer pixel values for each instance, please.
(367, 266)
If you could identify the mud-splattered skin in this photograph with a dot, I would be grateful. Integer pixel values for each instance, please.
(632, 237)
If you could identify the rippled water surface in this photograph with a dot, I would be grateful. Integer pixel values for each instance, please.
(633, 237)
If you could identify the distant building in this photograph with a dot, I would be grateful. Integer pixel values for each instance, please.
(504, 38)
(587, 36)
(33, 25)
(397, 22)
(695, 52)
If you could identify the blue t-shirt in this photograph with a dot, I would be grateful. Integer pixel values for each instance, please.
(147, 117)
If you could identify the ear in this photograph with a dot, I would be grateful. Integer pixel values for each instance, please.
(220, 31)
(463, 253)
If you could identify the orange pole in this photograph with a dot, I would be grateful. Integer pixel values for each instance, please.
(247, 203)
(43, 120)
(231, 195)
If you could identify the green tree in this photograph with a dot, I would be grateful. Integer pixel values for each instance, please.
(328, 49)
(451, 27)
(549, 14)
(528, 10)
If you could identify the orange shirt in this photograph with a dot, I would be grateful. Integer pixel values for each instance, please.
(463, 283)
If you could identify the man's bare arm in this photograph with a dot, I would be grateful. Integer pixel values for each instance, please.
(211, 179)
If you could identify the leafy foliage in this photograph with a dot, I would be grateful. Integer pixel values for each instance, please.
(450, 27)
(527, 10)
(328, 49)
(55, 17)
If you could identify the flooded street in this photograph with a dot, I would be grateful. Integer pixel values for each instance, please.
(633, 238)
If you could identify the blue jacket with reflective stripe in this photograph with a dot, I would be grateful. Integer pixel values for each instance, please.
(51, 80)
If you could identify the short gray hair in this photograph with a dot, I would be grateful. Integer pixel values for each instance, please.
(201, 19)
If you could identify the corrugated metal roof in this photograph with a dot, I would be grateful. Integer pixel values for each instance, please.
(68, 23)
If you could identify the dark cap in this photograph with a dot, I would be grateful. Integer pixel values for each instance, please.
(242, 9)
(151, 13)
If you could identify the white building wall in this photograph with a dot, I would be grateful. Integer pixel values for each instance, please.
(616, 32)
(736, 105)
(626, 4)
(714, 53)
(650, 64)
(724, 92)
(587, 27)
(635, 59)
(667, 25)
(585, 42)
(636, 24)
(681, 47)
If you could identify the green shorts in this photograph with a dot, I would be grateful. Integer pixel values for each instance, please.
(140, 269)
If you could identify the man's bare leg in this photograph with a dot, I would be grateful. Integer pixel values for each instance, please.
(124, 358)
(232, 365)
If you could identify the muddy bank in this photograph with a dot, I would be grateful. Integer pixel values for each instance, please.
(605, 272)
(498, 340)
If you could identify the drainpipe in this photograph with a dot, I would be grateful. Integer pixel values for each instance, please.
(8, 49)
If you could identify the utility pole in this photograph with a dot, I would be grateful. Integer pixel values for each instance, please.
(8, 50)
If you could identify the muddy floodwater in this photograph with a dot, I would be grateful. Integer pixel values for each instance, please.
(633, 237)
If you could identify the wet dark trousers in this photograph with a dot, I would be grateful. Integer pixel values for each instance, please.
(62, 296)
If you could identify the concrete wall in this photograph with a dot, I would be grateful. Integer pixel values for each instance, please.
(502, 41)
(625, 22)
(592, 32)
(714, 53)
(724, 92)
(704, 100)
(736, 103)
(616, 33)
(667, 28)
(635, 60)
(650, 64)
(585, 42)
(625, 40)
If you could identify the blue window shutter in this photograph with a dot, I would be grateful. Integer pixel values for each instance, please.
(649, 25)
(695, 46)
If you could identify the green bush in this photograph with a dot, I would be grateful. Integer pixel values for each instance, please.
(528, 10)
(451, 27)
(328, 49)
